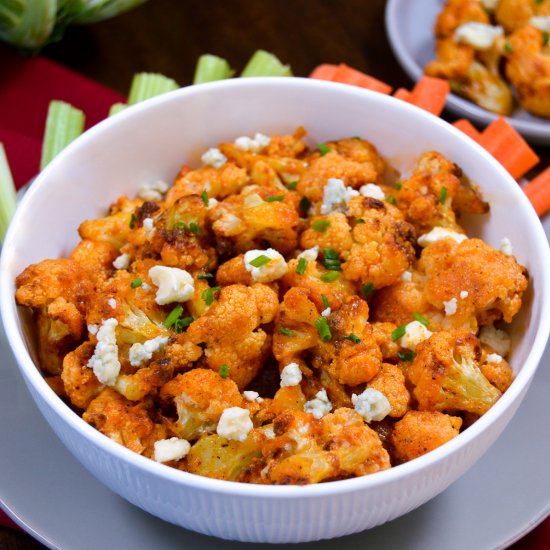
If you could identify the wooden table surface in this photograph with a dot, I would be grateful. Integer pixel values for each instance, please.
(168, 36)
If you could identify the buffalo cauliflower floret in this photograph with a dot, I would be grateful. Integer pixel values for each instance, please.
(200, 397)
(231, 330)
(420, 432)
(390, 381)
(446, 376)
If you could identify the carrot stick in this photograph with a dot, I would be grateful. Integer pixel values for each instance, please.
(402, 93)
(538, 192)
(347, 75)
(508, 147)
(324, 72)
(467, 128)
(430, 94)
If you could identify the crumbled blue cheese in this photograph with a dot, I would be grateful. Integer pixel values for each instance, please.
(122, 261)
(149, 227)
(336, 196)
(310, 254)
(252, 396)
(450, 307)
(92, 329)
(541, 22)
(371, 405)
(506, 247)
(173, 284)
(268, 272)
(326, 312)
(494, 358)
(320, 406)
(104, 361)
(234, 424)
(496, 339)
(139, 353)
(406, 276)
(214, 157)
(490, 5)
(372, 190)
(438, 234)
(464, 294)
(171, 449)
(478, 35)
(112, 303)
(291, 375)
(153, 191)
(415, 332)
(252, 145)
(212, 202)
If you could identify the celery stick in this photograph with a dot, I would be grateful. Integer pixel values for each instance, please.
(63, 124)
(116, 108)
(263, 63)
(7, 194)
(211, 68)
(147, 85)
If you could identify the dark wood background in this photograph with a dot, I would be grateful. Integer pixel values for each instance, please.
(168, 36)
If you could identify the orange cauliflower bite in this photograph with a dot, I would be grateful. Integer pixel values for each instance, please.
(446, 376)
(383, 244)
(391, 382)
(200, 397)
(231, 330)
(420, 432)
(456, 13)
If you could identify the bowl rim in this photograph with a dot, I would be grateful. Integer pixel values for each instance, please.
(34, 379)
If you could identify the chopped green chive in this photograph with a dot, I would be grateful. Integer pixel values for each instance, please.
(508, 47)
(64, 123)
(354, 338)
(205, 276)
(224, 371)
(398, 185)
(292, 185)
(398, 332)
(302, 264)
(330, 276)
(323, 149)
(443, 195)
(305, 205)
(421, 319)
(204, 197)
(546, 38)
(325, 301)
(208, 294)
(179, 225)
(286, 331)
(406, 355)
(173, 316)
(391, 199)
(147, 85)
(258, 261)
(211, 68)
(359, 220)
(182, 324)
(136, 282)
(331, 260)
(132, 223)
(194, 227)
(320, 225)
(323, 329)
(275, 198)
(263, 63)
(367, 289)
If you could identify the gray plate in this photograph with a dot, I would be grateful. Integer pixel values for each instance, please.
(409, 25)
(48, 493)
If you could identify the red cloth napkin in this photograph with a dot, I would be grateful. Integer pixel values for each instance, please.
(24, 97)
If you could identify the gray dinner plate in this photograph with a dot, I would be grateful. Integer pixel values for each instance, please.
(409, 25)
(50, 495)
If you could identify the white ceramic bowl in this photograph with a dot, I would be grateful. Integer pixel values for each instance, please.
(151, 141)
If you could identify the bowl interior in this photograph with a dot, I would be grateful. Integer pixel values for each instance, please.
(152, 140)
